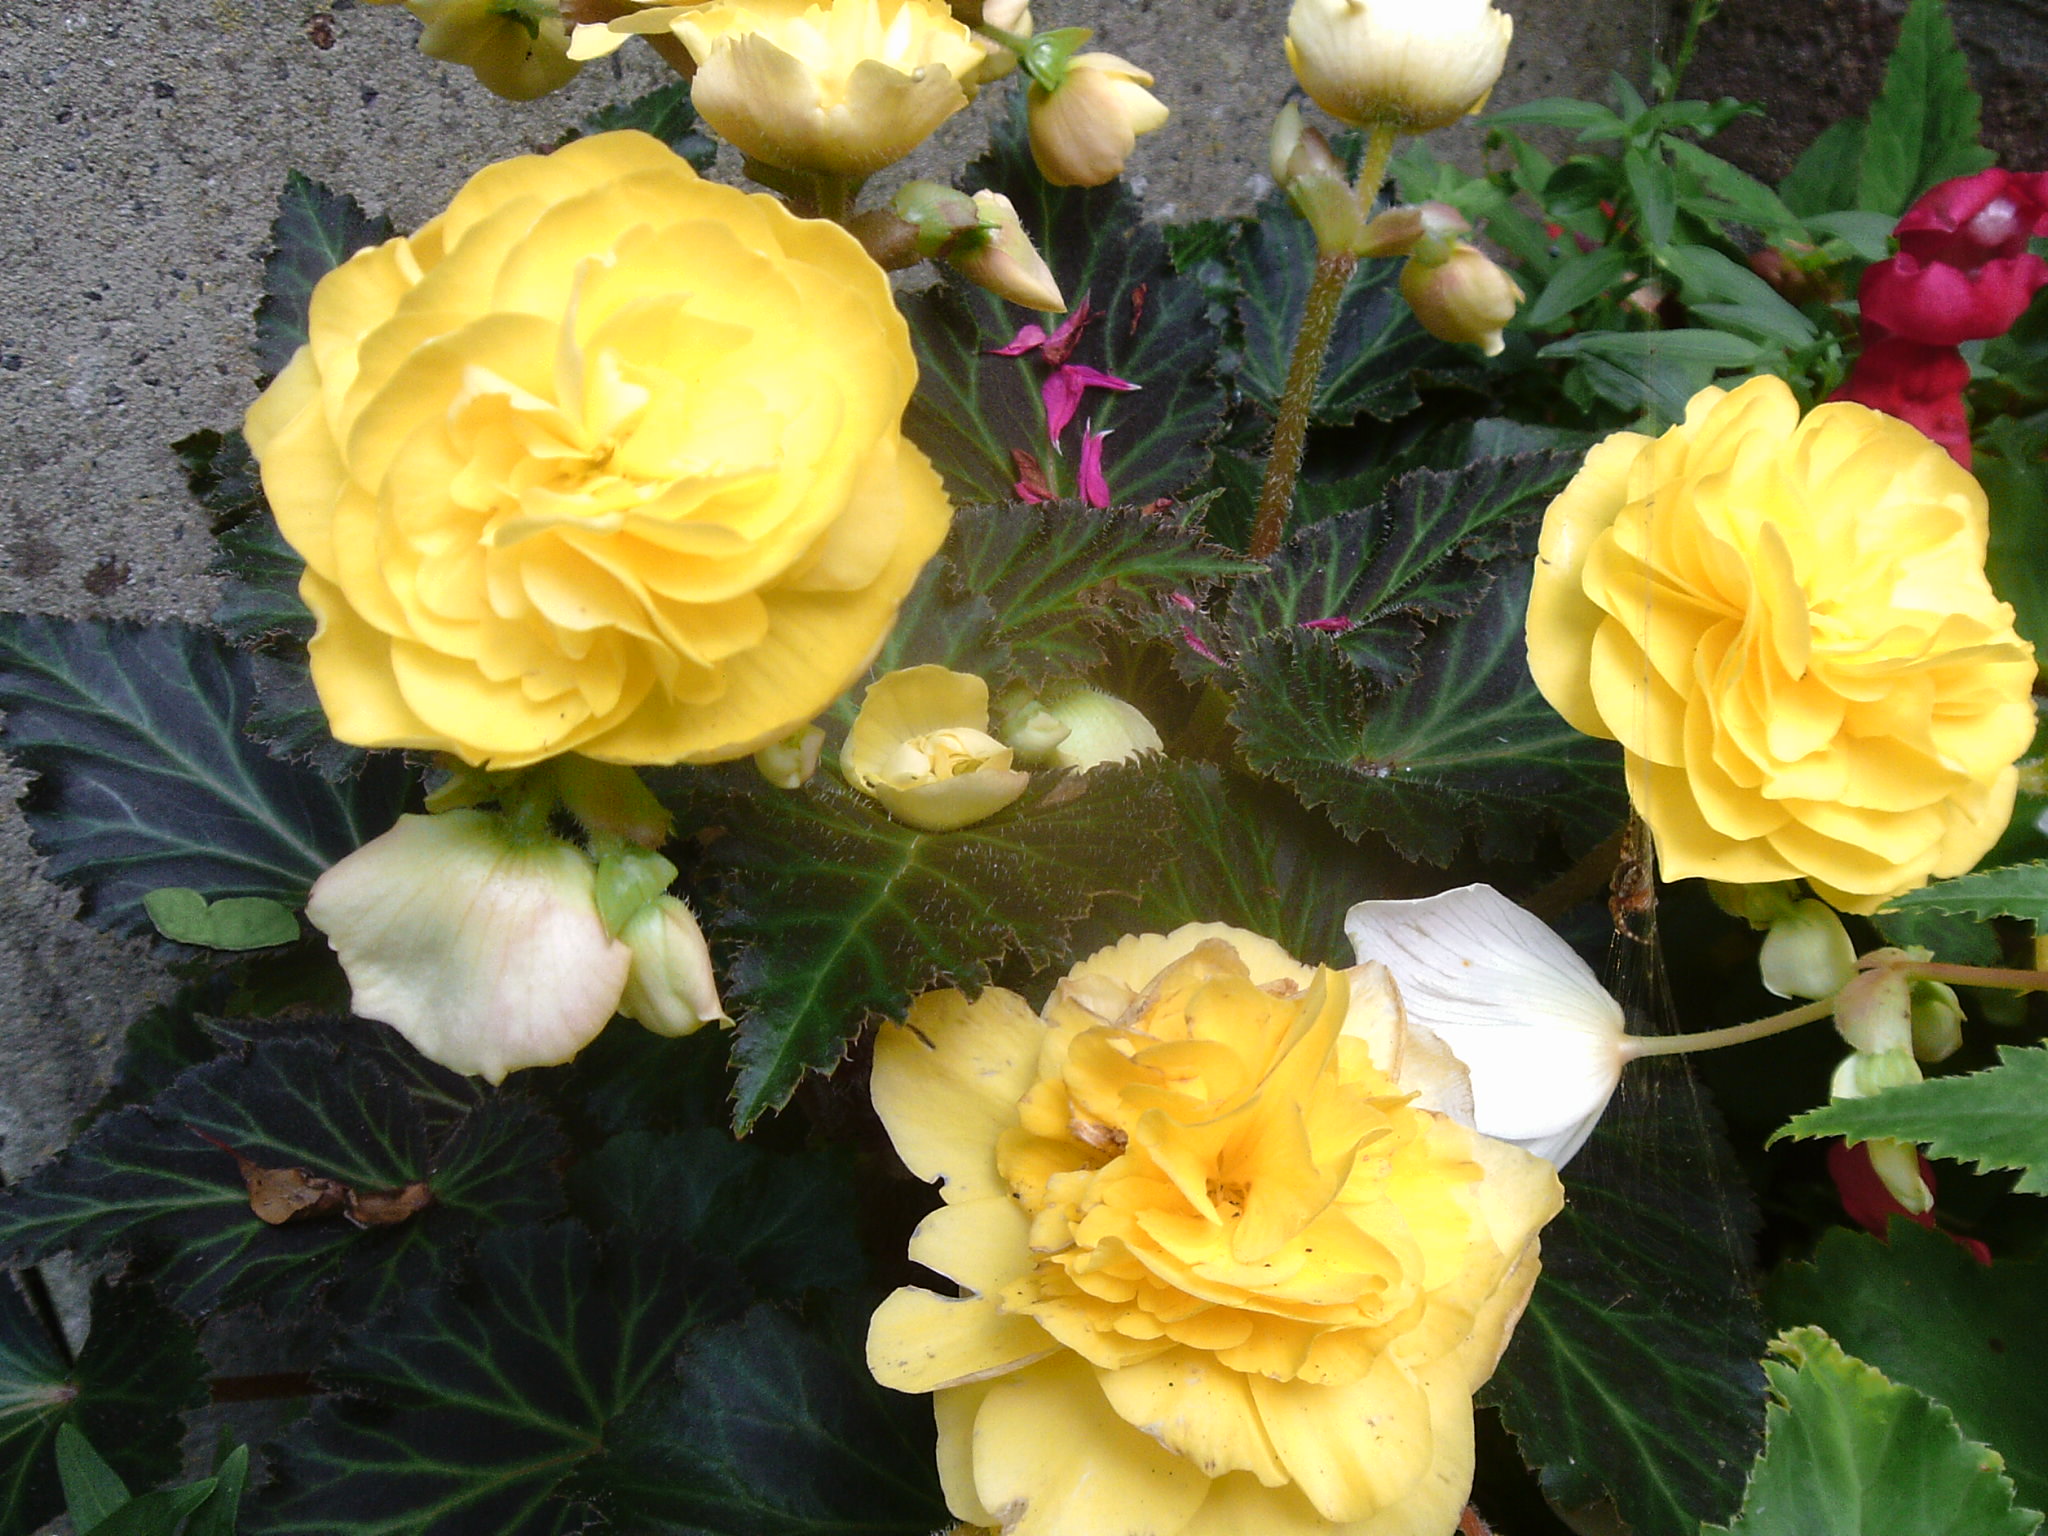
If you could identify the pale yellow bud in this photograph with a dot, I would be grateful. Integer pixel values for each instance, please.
(1003, 260)
(517, 48)
(790, 762)
(1012, 16)
(1937, 1021)
(1407, 64)
(482, 947)
(920, 745)
(1874, 1012)
(1083, 132)
(1101, 728)
(1466, 298)
(1025, 726)
(670, 988)
(1807, 953)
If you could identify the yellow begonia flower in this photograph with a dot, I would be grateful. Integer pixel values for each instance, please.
(1221, 1270)
(839, 86)
(1787, 627)
(1540, 1036)
(517, 48)
(607, 458)
(921, 746)
(1083, 132)
(1414, 65)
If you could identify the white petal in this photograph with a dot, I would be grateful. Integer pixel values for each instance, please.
(1540, 1036)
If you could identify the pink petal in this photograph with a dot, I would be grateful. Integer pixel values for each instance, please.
(1060, 345)
(1061, 393)
(1029, 338)
(1195, 644)
(1095, 378)
(1327, 626)
(1094, 488)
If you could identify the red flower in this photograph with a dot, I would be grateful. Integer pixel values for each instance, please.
(1870, 1205)
(1934, 302)
(1976, 219)
(1921, 385)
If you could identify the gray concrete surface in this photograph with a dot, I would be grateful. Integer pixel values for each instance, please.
(144, 143)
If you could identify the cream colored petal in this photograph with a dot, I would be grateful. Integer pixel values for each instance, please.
(907, 703)
(945, 805)
(1539, 1035)
(947, 1081)
(1196, 1408)
(921, 1342)
(1051, 1458)
(1134, 961)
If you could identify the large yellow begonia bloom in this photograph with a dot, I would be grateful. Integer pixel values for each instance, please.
(1786, 625)
(1227, 1265)
(606, 458)
(1415, 65)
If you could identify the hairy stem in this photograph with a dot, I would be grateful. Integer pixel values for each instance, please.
(1977, 976)
(1633, 1046)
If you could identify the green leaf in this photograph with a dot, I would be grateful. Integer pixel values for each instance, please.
(1468, 746)
(1849, 1454)
(834, 914)
(92, 1489)
(973, 410)
(2019, 890)
(1577, 280)
(1656, 369)
(1919, 1308)
(1924, 125)
(156, 1514)
(772, 1430)
(468, 1410)
(345, 1101)
(1655, 191)
(2012, 465)
(1377, 349)
(1993, 1118)
(139, 1371)
(146, 780)
(1953, 940)
(1056, 577)
(233, 922)
(1244, 853)
(1868, 235)
(1726, 192)
(315, 231)
(1588, 119)
(1633, 1376)
(1385, 573)
(1826, 177)
(221, 1512)
(1717, 288)
(666, 113)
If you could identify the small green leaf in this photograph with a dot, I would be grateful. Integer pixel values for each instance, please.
(156, 1514)
(1577, 280)
(1726, 192)
(836, 914)
(1918, 1307)
(146, 778)
(1849, 1454)
(1992, 1118)
(1924, 125)
(1655, 191)
(92, 1489)
(219, 1515)
(1953, 940)
(1869, 235)
(1588, 119)
(2020, 890)
(668, 114)
(2012, 465)
(1717, 288)
(315, 231)
(1826, 176)
(771, 1429)
(233, 922)
(345, 1101)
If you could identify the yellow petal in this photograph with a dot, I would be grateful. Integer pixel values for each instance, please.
(1198, 1409)
(921, 1342)
(1352, 1449)
(947, 1081)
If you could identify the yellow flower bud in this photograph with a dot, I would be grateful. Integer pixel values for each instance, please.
(1937, 1021)
(483, 948)
(1874, 1012)
(1084, 131)
(517, 48)
(1101, 728)
(790, 762)
(842, 87)
(1026, 726)
(1407, 64)
(1003, 260)
(921, 746)
(670, 988)
(1807, 953)
(1464, 299)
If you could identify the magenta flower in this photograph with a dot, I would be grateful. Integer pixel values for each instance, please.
(1063, 387)
(1094, 488)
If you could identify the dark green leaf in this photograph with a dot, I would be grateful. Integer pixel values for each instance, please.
(1655, 192)
(145, 778)
(1849, 1454)
(667, 114)
(2012, 465)
(1633, 1375)
(233, 922)
(2020, 890)
(1376, 348)
(221, 1512)
(781, 1220)
(1577, 279)
(1726, 192)
(467, 1410)
(1718, 288)
(835, 914)
(1659, 370)
(356, 1105)
(156, 1514)
(1923, 127)
(221, 474)
(315, 231)
(1245, 854)
(772, 1430)
(972, 410)
(1386, 572)
(1918, 1307)
(1994, 1118)
(1586, 118)
(139, 1370)
(1056, 577)
(1826, 178)
(92, 1489)
(1468, 747)
(1954, 940)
